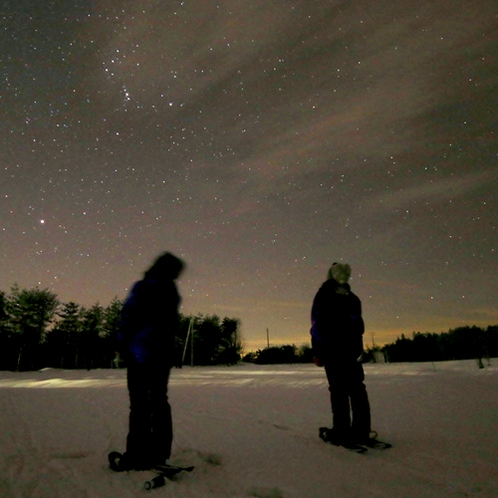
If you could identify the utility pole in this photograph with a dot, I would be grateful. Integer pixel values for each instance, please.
(192, 342)
(190, 334)
(268, 337)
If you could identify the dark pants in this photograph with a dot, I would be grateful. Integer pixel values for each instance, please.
(151, 428)
(348, 394)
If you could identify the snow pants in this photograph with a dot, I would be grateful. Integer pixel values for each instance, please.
(150, 426)
(349, 400)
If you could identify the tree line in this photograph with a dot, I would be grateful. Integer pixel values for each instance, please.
(462, 343)
(287, 353)
(37, 330)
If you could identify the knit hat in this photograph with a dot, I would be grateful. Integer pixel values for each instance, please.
(340, 273)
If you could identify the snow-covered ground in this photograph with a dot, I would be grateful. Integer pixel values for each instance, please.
(251, 431)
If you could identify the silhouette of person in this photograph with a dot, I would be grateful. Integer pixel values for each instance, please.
(337, 341)
(146, 341)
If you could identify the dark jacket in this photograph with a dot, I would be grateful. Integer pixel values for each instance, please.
(336, 324)
(149, 322)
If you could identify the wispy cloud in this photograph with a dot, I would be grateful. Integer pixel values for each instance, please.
(434, 190)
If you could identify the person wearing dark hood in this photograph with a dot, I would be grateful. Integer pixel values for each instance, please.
(337, 341)
(146, 342)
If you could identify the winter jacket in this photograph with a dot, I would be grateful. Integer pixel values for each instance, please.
(336, 324)
(149, 322)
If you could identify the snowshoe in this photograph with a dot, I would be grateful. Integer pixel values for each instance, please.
(373, 442)
(164, 472)
(328, 436)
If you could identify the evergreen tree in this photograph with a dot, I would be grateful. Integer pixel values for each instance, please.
(62, 340)
(5, 334)
(90, 337)
(30, 311)
(230, 343)
(206, 339)
(110, 327)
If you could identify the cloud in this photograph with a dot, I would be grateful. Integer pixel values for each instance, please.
(434, 191)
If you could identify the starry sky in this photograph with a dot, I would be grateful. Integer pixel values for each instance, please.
(260, 141)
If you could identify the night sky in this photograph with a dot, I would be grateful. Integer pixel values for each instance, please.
(260, 141)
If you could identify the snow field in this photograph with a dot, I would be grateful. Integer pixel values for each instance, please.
(252, 431)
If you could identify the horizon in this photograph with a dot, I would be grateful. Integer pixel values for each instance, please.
(369, 338)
